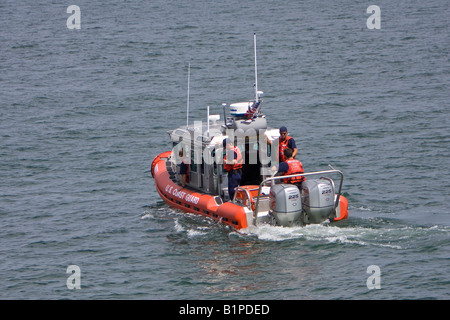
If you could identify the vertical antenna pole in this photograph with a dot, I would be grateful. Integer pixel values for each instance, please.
(189, 79)
(207, 118)
(256, 69)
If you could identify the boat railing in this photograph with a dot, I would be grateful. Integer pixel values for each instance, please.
(247, 193)
(332, 170)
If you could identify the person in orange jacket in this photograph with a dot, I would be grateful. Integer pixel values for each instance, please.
(285, 141)
(233, 165)
(289, 167)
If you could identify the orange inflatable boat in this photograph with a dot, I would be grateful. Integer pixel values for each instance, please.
(227, 170)
(252, 204)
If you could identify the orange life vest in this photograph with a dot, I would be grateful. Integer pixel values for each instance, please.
(295, 166)
(239, 161)
(283, 145)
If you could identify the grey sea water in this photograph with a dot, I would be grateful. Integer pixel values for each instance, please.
(84, 112)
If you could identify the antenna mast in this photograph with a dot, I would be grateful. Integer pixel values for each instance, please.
(256, 69)
(189, 79)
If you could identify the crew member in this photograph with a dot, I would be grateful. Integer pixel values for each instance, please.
(233, 165)
(183, 168)
(289, 167)
(285, 142)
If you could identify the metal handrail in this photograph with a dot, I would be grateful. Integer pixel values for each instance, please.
(248, 196)
(298, 175)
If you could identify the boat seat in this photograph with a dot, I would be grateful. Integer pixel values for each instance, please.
(252, 190)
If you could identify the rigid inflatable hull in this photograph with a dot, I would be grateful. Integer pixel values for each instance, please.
(205, 204)
(193, 202)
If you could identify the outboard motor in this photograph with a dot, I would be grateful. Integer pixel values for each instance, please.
(285, 204)
(318, 199)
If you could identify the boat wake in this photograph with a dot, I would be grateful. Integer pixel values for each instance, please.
(191, 232)
(370, 232)
(322, 233)
(377, 232)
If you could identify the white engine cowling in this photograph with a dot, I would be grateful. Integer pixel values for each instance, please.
(285, 204)
(318, 199)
